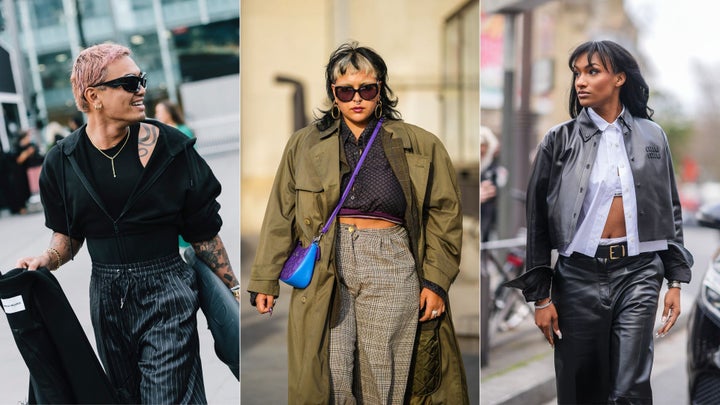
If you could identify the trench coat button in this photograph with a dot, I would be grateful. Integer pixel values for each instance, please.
(307, 221)
(303, 299)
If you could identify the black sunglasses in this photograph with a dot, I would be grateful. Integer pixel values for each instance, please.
(130, 84)
(366, 91)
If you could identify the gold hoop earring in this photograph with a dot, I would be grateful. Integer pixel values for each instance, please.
(378, 109)
(335, 111)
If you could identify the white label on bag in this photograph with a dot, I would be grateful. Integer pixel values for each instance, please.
(12, 305)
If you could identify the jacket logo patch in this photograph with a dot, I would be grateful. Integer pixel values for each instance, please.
(652, 152)
(13, 304)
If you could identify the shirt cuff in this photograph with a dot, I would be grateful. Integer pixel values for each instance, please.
(435, 288)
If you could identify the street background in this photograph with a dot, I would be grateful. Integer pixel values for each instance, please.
(26, 235)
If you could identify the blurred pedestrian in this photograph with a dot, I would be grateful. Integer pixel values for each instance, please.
(100, 184)
(169, 113)
(602, 192)
(75, 122)
(392, 254)
(24, 155)
(14, 190)
(489, 173)
(54, 132)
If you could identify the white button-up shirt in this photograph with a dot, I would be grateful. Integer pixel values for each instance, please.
(610, 176)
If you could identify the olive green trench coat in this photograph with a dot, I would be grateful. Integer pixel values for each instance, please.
(305, 191)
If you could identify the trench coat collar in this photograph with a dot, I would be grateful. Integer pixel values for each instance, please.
(389, 126)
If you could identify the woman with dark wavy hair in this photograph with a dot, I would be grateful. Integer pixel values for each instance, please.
(603, 194)
(374, 324)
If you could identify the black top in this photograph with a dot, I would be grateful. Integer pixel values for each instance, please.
(132, 217)
(376, 192)
(113, 191)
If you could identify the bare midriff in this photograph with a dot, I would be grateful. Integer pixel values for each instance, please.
(366, 223)
(615, 224)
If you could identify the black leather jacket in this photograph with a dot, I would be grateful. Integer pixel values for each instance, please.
(558, 184)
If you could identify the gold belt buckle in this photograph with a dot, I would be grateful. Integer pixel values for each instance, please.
(612, 250)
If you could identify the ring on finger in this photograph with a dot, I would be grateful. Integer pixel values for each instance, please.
(434, 313)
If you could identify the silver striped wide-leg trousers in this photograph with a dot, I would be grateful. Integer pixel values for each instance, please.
(144, 317)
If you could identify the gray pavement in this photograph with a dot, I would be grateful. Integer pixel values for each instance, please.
(26, 236)
(520, 368)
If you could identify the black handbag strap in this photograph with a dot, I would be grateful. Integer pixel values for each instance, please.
(352, 180)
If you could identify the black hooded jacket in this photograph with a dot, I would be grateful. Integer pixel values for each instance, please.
(175, 195)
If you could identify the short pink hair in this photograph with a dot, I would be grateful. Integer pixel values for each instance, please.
(90, 68)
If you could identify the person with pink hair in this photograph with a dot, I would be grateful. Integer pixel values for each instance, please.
(129, 186)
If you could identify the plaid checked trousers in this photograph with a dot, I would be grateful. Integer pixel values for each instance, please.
(371, 344)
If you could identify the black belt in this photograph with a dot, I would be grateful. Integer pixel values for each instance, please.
(612, 252)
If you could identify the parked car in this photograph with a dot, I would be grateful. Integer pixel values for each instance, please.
(703, 343)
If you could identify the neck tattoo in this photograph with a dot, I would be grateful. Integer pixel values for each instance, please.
(112, 158)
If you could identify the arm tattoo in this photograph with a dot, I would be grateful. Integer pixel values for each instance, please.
(147, 140)
(213, 253)
(62, 244)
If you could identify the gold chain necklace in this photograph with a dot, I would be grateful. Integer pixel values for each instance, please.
(112, 158)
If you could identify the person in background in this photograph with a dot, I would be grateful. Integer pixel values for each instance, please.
(128, 186)
(24, 155)
(602, 193)
(169, 113)
(54, 132)
(488, 182)
(374, 324)
(75, 122)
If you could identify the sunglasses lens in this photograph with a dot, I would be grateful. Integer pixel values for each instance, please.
(368, 92)
(131, 84)
(344, 93)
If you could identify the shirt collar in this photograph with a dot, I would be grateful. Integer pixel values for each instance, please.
(346, 134)
(600, 121)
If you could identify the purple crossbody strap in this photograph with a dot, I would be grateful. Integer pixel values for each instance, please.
(352, 180)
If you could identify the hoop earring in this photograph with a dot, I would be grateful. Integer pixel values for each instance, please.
(335, 111)
(378, 109)
(98, 107)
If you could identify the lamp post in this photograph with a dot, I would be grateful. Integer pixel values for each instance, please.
(516, 128)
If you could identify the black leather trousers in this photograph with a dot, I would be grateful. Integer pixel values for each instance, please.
(606, 310)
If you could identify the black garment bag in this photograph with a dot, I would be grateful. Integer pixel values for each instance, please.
(62, 363)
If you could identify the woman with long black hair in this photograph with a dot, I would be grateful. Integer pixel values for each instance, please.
(603, 194)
